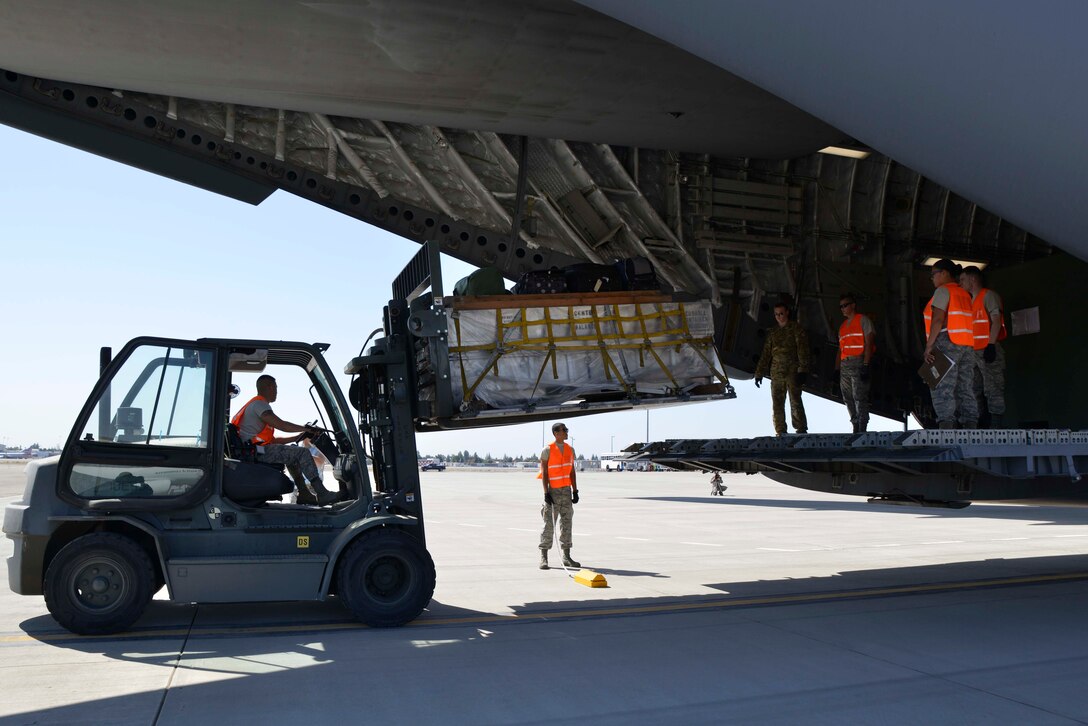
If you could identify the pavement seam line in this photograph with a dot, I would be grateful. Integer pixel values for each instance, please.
(174, 669)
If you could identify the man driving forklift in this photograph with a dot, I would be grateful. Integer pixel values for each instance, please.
(257, 424)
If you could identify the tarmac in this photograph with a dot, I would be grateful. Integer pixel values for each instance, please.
(768, 605)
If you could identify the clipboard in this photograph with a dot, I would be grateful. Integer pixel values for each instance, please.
(935, 372)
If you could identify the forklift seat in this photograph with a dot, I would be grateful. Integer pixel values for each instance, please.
(247, 481)
(251, 484)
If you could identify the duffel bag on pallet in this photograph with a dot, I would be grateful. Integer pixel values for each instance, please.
(589, 277)
(485, 281)
(541, 282)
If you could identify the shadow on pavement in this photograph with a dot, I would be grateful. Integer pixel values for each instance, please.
(279, 662)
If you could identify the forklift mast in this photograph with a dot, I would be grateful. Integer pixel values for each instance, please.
(385, 386)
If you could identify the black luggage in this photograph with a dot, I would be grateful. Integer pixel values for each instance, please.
(541, 282)
(638, 274)
(589, 277)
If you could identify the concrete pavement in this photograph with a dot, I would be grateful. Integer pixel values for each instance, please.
(767, 605)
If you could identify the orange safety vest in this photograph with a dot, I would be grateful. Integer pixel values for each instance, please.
(852, 338)
(560, 465)
(263, 436)
(982, 321)
(959, 321)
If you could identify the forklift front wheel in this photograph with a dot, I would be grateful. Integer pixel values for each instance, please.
(99, 583)
(386, 578)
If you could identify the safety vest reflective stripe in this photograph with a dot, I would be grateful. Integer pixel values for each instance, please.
(852, 338)
(982, 321)
(560, 465)
(959, 322)
(264, 435)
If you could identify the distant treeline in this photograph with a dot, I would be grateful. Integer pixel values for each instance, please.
(465, 457)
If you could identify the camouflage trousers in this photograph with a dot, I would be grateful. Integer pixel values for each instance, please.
(780, 386)
(562, 508)
(855, 392)
(954, 397)
(990, 378)
(299, 461)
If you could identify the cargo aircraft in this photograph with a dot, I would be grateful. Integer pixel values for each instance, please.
(752, 152)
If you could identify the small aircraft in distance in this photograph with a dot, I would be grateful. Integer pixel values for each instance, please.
(27, 453)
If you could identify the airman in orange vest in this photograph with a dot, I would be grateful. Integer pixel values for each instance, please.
(855, 353)
(989, 331)
(257, 423)
(560, 495)
(949, 323)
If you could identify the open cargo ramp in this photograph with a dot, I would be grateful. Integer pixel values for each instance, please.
(928, 467)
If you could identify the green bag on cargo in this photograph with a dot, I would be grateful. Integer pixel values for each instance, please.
(485, 281)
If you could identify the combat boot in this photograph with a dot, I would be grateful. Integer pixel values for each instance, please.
(543, 559)
(305, 496)
(323, 495)
(568, 561)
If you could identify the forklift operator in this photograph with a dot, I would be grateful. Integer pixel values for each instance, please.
(257, 423)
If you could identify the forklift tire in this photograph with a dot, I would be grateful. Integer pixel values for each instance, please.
(386, 578)
(98, 584)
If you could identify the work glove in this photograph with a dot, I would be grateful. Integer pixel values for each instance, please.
(574, 498)
(759, 380)
(548, 497)
(864, 373)
(990, 354)
(801, 378)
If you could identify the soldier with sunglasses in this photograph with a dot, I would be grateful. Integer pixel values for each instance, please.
(560, 495)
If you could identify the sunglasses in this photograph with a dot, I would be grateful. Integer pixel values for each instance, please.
(843, 306)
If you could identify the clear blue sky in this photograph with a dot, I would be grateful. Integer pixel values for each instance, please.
(96, 253)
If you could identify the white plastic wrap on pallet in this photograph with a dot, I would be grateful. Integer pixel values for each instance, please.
(525, 376)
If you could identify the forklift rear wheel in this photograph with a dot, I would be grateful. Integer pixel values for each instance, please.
(386, 578)
(99, 583)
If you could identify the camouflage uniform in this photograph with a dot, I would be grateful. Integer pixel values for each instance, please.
(299, 461)
(855, 392)
(954, 397)
(992, 379)
(785, 354)
(561, 508)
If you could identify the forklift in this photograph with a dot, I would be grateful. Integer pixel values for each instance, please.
(155, 489)
(150, 490)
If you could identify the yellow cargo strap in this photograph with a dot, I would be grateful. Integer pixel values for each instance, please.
(517, 336)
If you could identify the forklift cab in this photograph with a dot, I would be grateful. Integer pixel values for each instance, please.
(154, 433)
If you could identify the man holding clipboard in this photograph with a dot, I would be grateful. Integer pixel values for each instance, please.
(949, 320)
